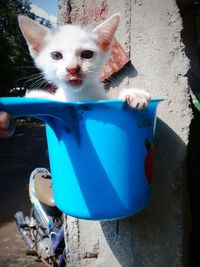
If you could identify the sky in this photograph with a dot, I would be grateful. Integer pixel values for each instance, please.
(47, 9)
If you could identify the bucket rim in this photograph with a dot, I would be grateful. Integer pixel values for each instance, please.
(105, 101)
(17, 100)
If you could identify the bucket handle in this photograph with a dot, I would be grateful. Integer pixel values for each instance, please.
(47, 110)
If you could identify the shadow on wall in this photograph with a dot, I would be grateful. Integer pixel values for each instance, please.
(154, 227)
(190, 12)
(116, 79)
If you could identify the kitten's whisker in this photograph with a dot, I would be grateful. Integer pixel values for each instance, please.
(37, 83)
(37, 86)
(21, 79)
(28, 85)
(30, 76)
(42, 84)
(34, 78)
(25, 67)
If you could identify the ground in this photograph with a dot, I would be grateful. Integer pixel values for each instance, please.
(19, 155)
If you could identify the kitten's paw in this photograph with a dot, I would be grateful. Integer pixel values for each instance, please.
(136, 98)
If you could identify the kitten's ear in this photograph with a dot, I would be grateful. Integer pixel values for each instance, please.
(106, 31)
(34, 34)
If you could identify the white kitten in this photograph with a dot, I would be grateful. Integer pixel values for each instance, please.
(71, 58)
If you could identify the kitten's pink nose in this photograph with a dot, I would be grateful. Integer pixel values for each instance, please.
(73, 70)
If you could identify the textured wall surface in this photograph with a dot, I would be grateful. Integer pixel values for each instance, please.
(150, 33)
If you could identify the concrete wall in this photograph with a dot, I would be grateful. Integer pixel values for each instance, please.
(150, 34)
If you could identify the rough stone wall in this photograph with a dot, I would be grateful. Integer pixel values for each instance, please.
(150, 33)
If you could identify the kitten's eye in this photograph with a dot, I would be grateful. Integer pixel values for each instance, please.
(87, 54)
(56, 55)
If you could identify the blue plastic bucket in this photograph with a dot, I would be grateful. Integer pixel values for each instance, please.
(98, 153)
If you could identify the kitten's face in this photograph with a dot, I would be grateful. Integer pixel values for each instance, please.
(70, 57)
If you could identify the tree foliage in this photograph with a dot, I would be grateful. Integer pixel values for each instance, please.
(15, 61)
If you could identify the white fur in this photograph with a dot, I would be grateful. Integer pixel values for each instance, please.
(71, 40)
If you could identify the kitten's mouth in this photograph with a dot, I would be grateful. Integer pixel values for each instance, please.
(75, 80)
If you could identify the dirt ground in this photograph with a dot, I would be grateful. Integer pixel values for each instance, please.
(19, 155)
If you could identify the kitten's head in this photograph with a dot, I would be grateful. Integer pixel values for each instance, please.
(70, 56)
